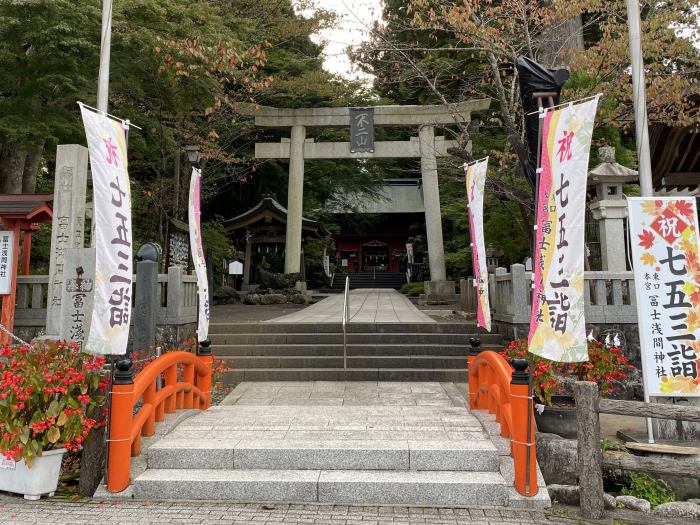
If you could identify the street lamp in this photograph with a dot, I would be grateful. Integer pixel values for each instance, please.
(193, 154)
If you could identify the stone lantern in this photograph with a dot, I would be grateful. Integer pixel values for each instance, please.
(610, 207)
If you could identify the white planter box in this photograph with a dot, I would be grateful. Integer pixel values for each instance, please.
(33, 482)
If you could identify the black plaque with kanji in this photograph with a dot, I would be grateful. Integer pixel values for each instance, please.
(361, 130)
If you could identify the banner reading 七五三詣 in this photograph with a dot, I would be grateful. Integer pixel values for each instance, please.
(664, 238)
(557, 324)
(109, 325)
(475, 174)
(200, 265)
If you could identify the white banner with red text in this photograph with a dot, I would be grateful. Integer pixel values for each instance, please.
(200, 265)
(109, 326)
(664, 235)
(475, 176)
(557, 324)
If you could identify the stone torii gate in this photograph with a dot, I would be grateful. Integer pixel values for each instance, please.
(427, 146)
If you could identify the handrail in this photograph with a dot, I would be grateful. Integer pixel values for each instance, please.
(346, 313)
(127, 427)
(493, 386)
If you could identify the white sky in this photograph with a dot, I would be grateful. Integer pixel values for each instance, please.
(350, 30)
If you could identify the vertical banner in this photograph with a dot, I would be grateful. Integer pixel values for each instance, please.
(475, 174)
(664, 235)
(109, 326)
(557, 324)
(200, 265)
(7, 244)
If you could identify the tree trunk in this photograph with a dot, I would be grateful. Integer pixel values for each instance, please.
(31, 167)
(12, 158)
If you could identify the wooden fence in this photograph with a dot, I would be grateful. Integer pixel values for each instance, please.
(591, 459)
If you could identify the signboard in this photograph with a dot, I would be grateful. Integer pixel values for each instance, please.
(178, 249)
(235, 268)
(475, 180)
(361, 130)
(200, 265)
(557, 324)
(664, 235)
(109, 327)
(7, 244)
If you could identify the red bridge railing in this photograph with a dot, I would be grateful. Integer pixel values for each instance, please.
(494, 386)
(127, 427)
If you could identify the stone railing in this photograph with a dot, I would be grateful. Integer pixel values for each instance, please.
(177, 299)
(609, 296)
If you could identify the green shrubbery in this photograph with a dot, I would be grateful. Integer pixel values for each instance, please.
(654, 490)
(412, 289)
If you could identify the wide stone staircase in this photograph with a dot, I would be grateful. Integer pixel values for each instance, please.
(266, 351)
(401, 455)
(358, 280)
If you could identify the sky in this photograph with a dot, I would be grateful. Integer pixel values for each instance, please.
(354, 16)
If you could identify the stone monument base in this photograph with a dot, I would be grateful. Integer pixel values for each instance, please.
(439, 292)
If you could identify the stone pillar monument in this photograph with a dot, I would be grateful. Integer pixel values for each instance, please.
(295, 200)
(610, 208)
(438, 289)
(67, 229)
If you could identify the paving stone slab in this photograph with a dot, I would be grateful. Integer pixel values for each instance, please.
(416, 488)
(229, 485)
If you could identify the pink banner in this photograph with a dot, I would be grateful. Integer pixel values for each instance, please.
(476, 179)
(200, 265)
(557, 325)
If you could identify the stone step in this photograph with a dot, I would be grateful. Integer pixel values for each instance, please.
(417, 361)
(350, 374)
(268, 327)
(366, 487)
(336, 350)
(352, 338)
(474, 454)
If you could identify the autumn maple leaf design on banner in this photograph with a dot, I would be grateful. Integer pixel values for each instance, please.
(667, 284)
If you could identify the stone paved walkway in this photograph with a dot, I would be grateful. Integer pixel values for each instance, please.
(372, 305)
(14, 511)
(346, 393)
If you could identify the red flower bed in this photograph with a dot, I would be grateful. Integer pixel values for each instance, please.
(606, 366)
(51, 396)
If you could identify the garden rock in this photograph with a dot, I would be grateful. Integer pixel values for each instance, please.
(557, 458)
(273, 298)
(565, 494)
(298, 298)
(678, 509)
(609, 501)
(632, 503)
(278, 280)
(226, 295)
(252, 298)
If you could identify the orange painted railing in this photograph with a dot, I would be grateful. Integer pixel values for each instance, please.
(127, 427)
(493, 386)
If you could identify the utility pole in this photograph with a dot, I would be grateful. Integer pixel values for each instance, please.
(105, 49)
(640, 101)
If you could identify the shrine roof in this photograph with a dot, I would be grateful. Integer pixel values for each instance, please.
(267, 207)
(675, 157)
(36, 207)
(394, 196)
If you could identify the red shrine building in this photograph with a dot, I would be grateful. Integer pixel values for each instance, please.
(374, 231)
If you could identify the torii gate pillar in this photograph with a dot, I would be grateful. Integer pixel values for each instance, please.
(295, 200)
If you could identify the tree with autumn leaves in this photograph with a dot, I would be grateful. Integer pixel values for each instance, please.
(439, 51)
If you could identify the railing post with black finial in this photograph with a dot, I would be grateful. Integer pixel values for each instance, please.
(522, 437)
(474, 350)
(204, 381)
(120, 427)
